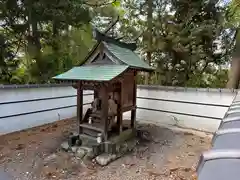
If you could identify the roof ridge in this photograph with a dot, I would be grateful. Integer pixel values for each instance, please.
(95, 46)
(101, 37)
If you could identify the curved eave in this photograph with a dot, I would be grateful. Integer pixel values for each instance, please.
(92, 73)
(142, 69)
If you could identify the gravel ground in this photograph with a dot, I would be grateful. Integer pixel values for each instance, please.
(165, 154)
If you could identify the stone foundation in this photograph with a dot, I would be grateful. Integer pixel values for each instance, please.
(121, 149)
(87, 148)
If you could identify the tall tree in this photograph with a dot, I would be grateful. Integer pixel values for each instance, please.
(233, 25)
(149, 35)
(186, 40)
(51, 36)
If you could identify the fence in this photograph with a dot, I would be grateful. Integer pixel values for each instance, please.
(27, 106)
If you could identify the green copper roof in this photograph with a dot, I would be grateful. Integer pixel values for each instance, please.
(92, 72)
(127, 56)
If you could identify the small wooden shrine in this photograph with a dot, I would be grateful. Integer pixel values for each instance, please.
(110, 71)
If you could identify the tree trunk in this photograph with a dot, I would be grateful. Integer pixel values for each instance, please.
(55, 35)
(149, 44)
(34, 43)
(234, 74)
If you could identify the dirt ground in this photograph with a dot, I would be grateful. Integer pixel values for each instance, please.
(35, 154)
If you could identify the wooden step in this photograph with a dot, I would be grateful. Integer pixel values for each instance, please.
(95, 115)
(95, 127)
(90, 132)
(98, 115)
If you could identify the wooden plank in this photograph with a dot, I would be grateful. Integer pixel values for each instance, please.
(79, 105)
(133, 112)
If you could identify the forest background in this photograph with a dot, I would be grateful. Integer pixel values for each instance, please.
(191, 43)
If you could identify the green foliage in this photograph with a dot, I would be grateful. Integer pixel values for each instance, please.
(8, 62)
(179, 37)
(116, 3)
(51, 37)
(72, 49)
(183, 42)
(187, 40)
(233, 14)
(218, 79)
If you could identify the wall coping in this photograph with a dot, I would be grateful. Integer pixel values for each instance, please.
(182, 89)
(16, 86)
(149, 87)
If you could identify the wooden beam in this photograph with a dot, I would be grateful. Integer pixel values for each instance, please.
(104, 112)
(133, 112)
(92, 85)
(79, 105)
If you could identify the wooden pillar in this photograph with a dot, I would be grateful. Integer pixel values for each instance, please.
(133, 111)
(95, 93)
(104, 112)
(119, 112)
(79, 105)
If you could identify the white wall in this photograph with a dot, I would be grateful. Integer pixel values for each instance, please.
(16, 123)
(205, 124)
(11, 124)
